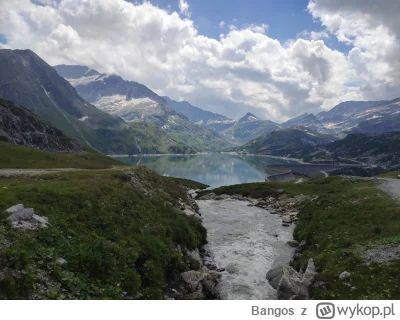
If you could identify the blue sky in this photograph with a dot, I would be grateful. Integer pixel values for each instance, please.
(285, 18)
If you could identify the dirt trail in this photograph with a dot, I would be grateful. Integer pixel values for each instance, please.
(36, 172)
(392, 187)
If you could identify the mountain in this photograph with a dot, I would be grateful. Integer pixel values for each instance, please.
(29, 81)
(22, 127)
(199, 116)
(379, 119)
(136, 103)
(288, 142)
(371, 149)
(248, 128)
(309, 121)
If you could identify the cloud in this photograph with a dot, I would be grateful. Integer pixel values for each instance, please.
(222, 24)
(372, 28)
(244, 70)
(184, 8)
(313, 35)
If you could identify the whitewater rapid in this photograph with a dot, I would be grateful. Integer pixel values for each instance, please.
(247, 241)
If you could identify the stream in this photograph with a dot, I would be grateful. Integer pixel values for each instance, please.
(247, 241)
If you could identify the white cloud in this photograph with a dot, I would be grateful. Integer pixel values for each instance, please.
(184, 8)
(222, 24)
(244, 70)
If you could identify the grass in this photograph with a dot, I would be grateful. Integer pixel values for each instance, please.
(349, 214)
(116, 230)
(393, 174)
(20, 157)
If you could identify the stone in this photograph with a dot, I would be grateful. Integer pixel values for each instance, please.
(61, 261)
(195, 255)
(44, 221)
(344, 275)
(208, 196)
(293, 243)
(209, 285)
(221, 269)
(287, 219)
(15, 208)
(285, 225)
(274, 276)
(22, 214)
(192, 279)
(290, 284)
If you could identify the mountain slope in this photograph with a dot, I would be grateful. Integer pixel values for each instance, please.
(135, 102)
(29, 81)
(20, 126)
(379, 119)
(309, 121)
(199, 116)
(249, 127)
(289, 142)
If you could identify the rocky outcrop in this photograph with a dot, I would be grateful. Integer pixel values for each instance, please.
(20, 126)
(290, 284)
(25, 218)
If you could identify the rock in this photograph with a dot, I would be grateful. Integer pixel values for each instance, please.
(209, 284)
(221, 269)
(287, 219)
(22, 214)
(223, 197)
(285, 225)
(15, 208)
(208, 196)
(195, 255)
(274, 276)
(44, 221)
(61, 261)
(344, 275)
(293, 243)
(290, 284)
(192, 279)
(254, 202)
(250, 205)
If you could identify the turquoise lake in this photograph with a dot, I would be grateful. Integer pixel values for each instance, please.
(213, 169)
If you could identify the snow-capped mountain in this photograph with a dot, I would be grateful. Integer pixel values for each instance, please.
(134, 102)
(201, 117)
(310, 121)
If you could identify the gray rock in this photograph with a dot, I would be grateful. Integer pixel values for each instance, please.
(209, 285)
(274, 276)
(22, 214)
(15, 208)
(61, 261)
(195, 255)
(44, 221)
(290, 284)
(344, 275)
(208, 196)
(287, 219)
(192, 279)
(293, 243)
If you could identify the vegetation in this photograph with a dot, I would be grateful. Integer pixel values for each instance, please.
(116, 230)
(20, 157)
(349, 216)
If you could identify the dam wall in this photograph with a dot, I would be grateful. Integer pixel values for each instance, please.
(304, 169)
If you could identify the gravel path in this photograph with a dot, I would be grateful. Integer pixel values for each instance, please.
(392, 187)
(36, 172)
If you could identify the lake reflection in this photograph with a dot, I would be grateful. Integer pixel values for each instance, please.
(212, 169)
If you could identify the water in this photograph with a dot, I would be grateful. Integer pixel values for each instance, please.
(214, 170)
(247, 241)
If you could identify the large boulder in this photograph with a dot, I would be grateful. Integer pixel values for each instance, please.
(290, 284)
(15, 208)
(22, 214)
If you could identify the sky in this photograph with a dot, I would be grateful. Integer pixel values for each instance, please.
(276, 59)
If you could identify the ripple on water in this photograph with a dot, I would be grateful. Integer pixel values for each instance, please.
(247, 242)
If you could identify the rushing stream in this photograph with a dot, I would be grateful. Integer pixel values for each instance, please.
(247, 242)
